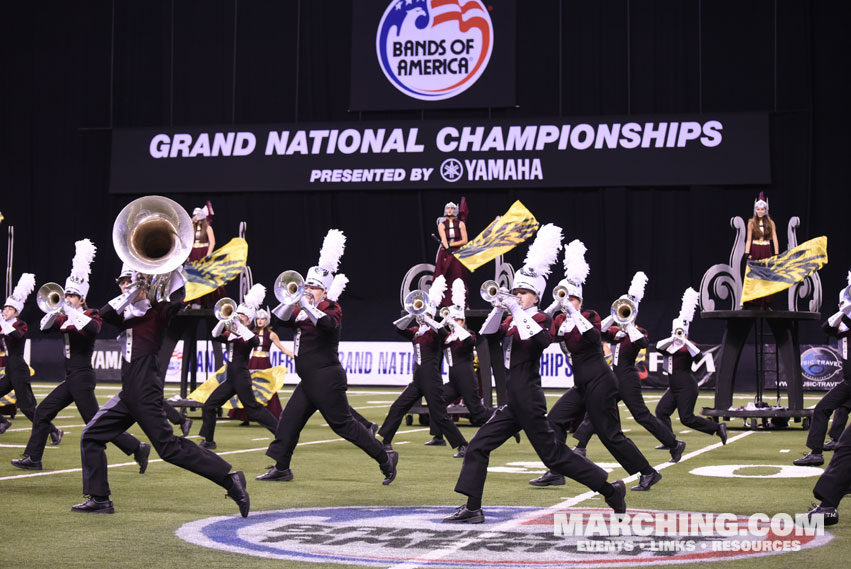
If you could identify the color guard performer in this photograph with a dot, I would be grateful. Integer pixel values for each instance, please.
(427, 338)
(240, 342)
(679, 354)
(13, 337)
(79, 327)
(627, 340)
(317, 321)
(596, 388)
(525, 336)
(452, 231)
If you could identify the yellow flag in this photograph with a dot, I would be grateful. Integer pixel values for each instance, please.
(770, 276)
(265, 383)
(501, 236)
(222, 266)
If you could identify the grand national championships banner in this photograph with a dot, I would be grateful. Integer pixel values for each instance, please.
(635, 150)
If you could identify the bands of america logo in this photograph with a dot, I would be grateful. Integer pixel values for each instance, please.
(820, 363)
(511, 537)
(434, 49)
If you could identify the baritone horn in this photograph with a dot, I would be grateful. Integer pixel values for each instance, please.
(225, 309)
(416, 302)
(289, 287)
(153, 235)
(50, 297)
(624, 311)
(491, 292)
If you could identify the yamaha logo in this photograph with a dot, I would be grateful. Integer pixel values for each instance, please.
(511, 537)
(820, 364)
(434, 49)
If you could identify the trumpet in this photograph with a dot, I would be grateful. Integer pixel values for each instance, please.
(416, 303)
(50, 297)
(225, 309)
(289, 287)
(491, 292)
(153, 236)
(624, 311)
(680, 334)
(560, 293)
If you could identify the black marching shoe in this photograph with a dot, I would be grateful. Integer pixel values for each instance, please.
(831, 517)
(517, 437)
(435, 442)
(141, 456)
(56, 437)
(27, 463)
(276, 475)
(92, 506)
(4, 424)
(810, 459)
(464, 516)
(645, 481)
(209, 445)
(462, 450)
(239, 494)
(389, 469)
(580, 450)
(186, 427)
(831, 445)
(548, 479)
(722, 432)
(677, 451)
(617, 501)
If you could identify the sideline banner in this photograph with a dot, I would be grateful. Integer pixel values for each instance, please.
(634, 150)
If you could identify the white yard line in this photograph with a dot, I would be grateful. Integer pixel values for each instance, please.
(508, 525)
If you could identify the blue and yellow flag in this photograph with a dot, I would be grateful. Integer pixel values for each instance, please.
(501, 236)
(770, 276)
(222, 266)
(265, 382)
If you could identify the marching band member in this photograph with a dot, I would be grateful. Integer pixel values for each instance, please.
(839, 327)
(260, 360)
(458, 353)
(679, 354)
(141, 397)
(240, 342)
(428, 338)
(596, 388)
(79, 327)
(453, 235)
(13, 337)
(317, 321)
(525, 336)
(627, 341)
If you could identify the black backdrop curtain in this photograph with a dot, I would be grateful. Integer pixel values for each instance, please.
(73, 71)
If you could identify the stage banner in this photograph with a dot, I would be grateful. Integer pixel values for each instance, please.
(635, 150)
(433, 54)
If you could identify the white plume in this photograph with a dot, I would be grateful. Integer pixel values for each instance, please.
(849, 278)
(437, 290)
(690, 297)
(254, 297)
(543, 252)
(459, 293)
(25, 286)
(332, 250)
(81, 265)
(576, 269)
(337, 287)
(636, 288)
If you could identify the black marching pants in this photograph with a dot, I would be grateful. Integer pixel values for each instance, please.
(834, 483)
(832, 400)
(78, 388)
(840, 419)
(322, 390)
(465, 386)
(238, 383)
(681, 396)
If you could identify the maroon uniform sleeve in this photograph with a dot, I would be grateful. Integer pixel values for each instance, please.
(335, 316)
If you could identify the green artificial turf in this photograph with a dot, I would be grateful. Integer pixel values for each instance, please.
(39, 530)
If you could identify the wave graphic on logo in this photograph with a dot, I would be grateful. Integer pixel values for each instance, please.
(820, 364)
(434, 49)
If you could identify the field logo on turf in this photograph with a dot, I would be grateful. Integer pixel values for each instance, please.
(511, 537)
(434, 49)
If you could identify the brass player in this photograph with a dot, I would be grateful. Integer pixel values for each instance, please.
(79, 326)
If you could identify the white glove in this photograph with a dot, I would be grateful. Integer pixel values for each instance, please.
(77, 317)
(122, 301)
(692, 349)
(493, 321)
(581, 322)
(404, 322)
(525, 324)
(607, 323)
(460, 332)
(553, 308)
(664, 344)
(283, 311)
(219, 328)
(432, 323)
(242, 331)
(6, 327)
(312, 312)
(178, 279)
(48, 320)
(835, 320)
(634, 333)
